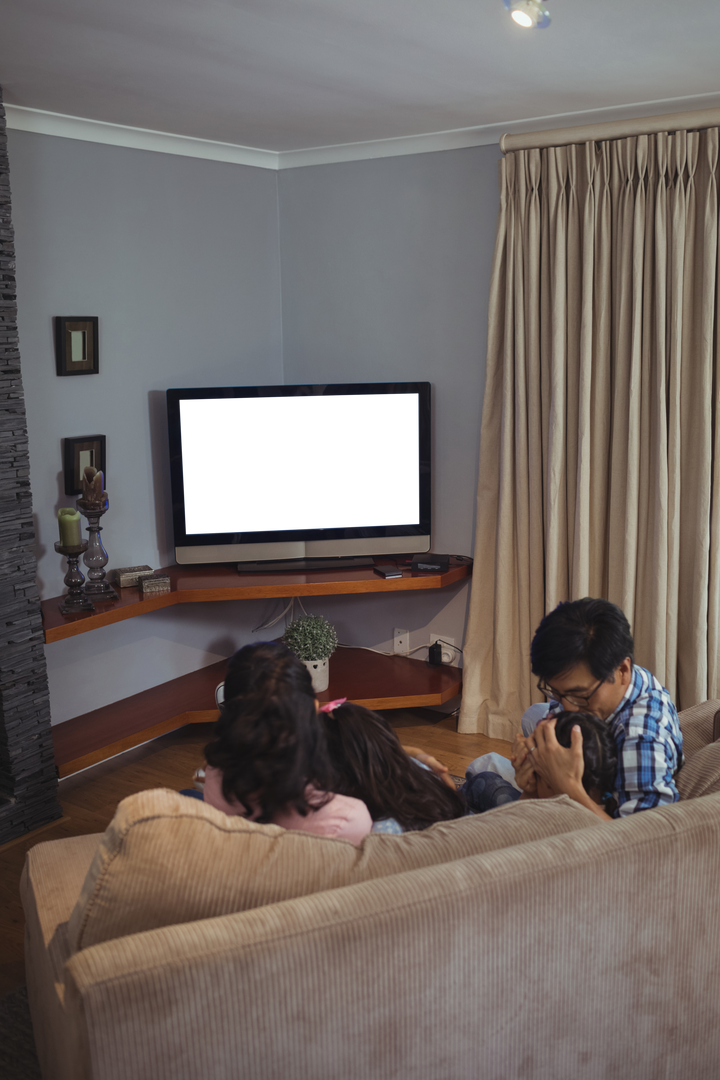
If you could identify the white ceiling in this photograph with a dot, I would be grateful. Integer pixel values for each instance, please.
(292, 74)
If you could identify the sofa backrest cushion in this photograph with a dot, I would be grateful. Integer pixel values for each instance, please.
(700, 725)
(167, 859)
(701, 774)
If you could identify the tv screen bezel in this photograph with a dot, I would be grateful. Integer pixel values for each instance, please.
(297, 543)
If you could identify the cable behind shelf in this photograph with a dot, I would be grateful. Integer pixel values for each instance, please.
(289, 607)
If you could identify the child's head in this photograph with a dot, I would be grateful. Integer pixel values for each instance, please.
(264, 667)
(599, 754)
(268, 741)
(370, 764)
(269, 748)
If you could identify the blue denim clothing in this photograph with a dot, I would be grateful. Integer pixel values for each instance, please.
(486, 790)
(532, 717)
(494, 763)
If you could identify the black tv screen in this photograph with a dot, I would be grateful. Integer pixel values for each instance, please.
(286, 472)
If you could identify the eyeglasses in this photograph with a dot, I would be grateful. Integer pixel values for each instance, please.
(581, 700)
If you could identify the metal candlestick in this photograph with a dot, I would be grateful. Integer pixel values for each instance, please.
(76, 600)
(96, 556)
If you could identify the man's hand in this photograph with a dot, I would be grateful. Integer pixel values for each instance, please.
(560, 767)
(520, 750)
(432, 763)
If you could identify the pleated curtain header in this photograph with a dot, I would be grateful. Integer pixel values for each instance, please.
(615, 129)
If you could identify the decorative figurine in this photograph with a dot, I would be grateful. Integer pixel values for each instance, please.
(92, 485)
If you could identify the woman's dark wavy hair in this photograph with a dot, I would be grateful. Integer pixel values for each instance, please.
(592, 631)
(264, 667)
(268, 741)
(599, 754)
(370, 764)
(270, 748)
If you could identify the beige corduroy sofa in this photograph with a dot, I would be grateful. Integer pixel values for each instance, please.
(532, 942)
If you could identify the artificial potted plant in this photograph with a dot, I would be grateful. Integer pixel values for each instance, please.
(313, 640)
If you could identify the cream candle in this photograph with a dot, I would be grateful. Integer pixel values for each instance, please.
(69, 525)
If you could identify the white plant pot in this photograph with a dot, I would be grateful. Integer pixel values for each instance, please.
(319, 673)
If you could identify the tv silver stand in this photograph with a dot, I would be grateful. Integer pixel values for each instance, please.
(354, 562)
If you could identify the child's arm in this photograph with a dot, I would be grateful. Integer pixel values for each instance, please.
(432, 763)
(526, 779)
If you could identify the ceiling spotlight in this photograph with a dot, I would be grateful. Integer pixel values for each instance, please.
(531, 14)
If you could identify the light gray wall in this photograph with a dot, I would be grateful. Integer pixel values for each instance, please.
(384, 267)
(385, 274)
(179, 259)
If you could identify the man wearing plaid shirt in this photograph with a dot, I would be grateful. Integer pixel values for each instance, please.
(583, 654)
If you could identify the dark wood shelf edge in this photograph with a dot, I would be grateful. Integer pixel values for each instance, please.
(67, 768)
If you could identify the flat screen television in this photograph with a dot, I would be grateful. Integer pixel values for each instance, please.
(265, 473)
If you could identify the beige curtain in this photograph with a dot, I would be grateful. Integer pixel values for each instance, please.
(600, 455)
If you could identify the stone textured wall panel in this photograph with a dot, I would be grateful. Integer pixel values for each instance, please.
(28, 777)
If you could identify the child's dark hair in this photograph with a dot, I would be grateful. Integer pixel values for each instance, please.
(599, 754)
(269, 749)
(263, 667)
(370, 764)
(268, 741)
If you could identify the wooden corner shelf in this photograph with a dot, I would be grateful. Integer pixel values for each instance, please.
(363, 676)
(199, 584)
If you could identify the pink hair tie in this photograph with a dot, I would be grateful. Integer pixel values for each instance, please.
(330, 705)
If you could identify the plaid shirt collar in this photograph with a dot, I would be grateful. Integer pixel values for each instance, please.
(639, 684)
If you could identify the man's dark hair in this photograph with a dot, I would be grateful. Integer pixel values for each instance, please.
(595, 632)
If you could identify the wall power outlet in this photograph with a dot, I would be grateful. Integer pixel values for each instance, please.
(401, 642)
(448, 653)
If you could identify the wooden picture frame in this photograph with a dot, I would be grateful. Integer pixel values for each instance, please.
(79, 452)
(76, 345)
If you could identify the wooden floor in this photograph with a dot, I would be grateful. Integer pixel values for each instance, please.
(89, 799)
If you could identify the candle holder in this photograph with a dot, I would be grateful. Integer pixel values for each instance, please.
(96, 556)
(76, 600)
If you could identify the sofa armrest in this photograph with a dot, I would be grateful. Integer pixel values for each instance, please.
(700, 725)
(51, 881)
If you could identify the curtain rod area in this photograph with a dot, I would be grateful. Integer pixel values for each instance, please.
(615, 129)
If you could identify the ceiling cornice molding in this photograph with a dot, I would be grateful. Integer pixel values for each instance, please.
(73, 127)
(159, 142)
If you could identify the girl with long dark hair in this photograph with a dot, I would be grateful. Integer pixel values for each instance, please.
(371, 764)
